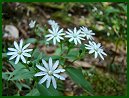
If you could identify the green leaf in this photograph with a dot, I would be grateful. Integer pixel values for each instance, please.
(33, 92)
(78, 78)
(17, 66)
(72, 55)
(31, 40)
(4, 55)
(47, 91)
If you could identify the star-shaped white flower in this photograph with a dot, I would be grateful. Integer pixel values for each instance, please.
(32, 24)
(95, 48)
(75, 35)
(50, 71)
(55, 34)
(87, 33)
(19, 52)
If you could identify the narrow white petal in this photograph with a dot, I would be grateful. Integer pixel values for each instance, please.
(71, 32)
(91, 51)
(101, 56)
(55, 65)
(41, 68)
(50, 63)
(17, 59)
(49, 35)
(68, 36)
(96, 54)
(59, 70)
(104, 53)
(12, 49)
(60, 31)
(57, 38)
(48, 81)
(27, 50)
(61, 38)
(16, 45)
(26, 54)
(71, 39)
(59, 76)
(54, 41)
(50, 38)
(27, 45)
(75, 41)
(11, 53)
(50, 31)
(21, 43)
(43, 79)
(75, 30)
(39, 74)
(13, 56)
(54, 82)
(23, 59)
(45, 64)
(79, 41)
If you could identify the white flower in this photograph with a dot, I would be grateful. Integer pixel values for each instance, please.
(49, 72)
(87, 33)
(19, 52)
(32, 24)
(55, 34)
(52, 23)
(75, 35)
(95, 48)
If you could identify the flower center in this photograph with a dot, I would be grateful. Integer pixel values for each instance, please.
(19, 52)
(55, 35)
(50, 73)
(74, 35)
(96, 49)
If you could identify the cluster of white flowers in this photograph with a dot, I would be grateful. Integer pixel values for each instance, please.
(50, 70)
(76, 36)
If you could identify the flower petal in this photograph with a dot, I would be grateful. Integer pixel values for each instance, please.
(54, 82)
(50, 38)
(27, 50)
(27, 45)
(96, 54)
(59, 76)
(23, 59)
(26, 54)
(101, 56)
(43, 79)
(13, 56)
(50, 63)
(55, 65)
(11, 53)
(59, 70)
(48, 81)
(41, 68)
(39, 74)
(17, 59)
(21, 43)
(45, 64)
(54, 41)
(12, 49)
(91, 51)
(16, 45)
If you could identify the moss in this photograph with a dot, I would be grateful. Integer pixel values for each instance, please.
(106, 84)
